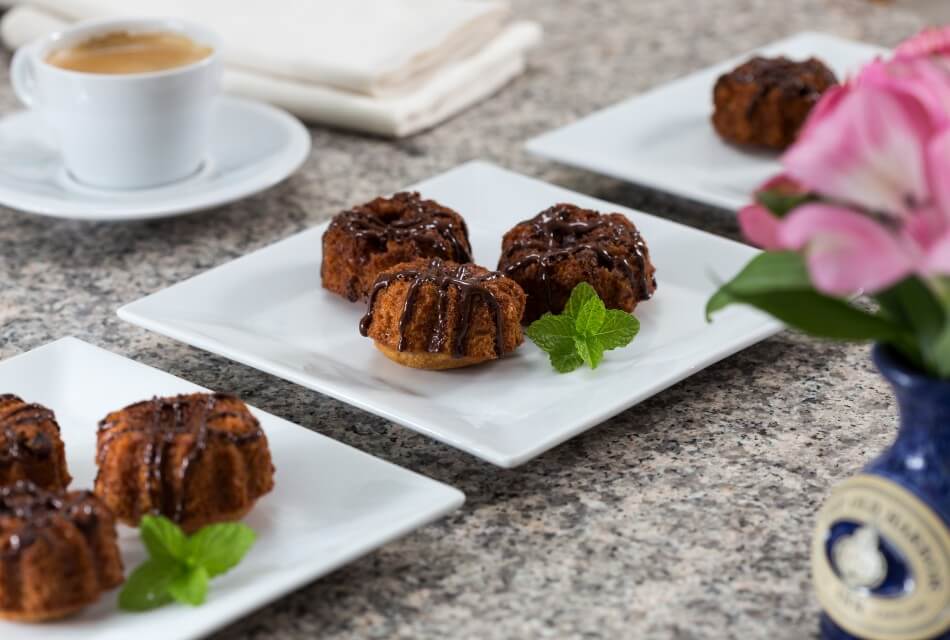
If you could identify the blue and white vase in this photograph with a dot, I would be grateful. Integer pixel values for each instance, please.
(881, 550)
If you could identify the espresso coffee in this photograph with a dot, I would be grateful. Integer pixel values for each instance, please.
(125, 52)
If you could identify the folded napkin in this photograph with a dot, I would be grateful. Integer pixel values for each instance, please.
(390, 67)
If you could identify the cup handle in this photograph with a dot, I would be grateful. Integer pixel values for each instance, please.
(23, 75)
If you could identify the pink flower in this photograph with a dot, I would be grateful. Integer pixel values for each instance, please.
(846, 251)
(867, 150)
(876, 153)
(934, 41)
(759, 224)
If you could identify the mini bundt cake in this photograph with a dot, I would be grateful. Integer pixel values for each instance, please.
(58, 552)
(433, 314)
(565, 245)
(196, 459)
(364, 241)
(30, 445)
(765, 101)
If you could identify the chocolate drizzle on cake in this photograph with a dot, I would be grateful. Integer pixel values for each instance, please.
(469, 288)
(406, 217)
(15, 448)
(555, 234)
(171, 422)
(34, 511)
(793, 79)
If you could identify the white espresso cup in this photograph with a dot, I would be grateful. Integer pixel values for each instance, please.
(123, 131)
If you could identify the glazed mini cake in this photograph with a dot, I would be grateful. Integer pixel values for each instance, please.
(364, 241)
(432, 314)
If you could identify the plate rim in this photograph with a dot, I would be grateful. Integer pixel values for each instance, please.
(246, 602)
(280, 166)
(539, 145)
(493, 455)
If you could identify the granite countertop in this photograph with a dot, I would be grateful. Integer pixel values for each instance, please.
(688, 516)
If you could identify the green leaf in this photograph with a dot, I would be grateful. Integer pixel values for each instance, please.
(768, 272)
(822, 316)
(566, 361)
(552, 333)
(590, 350)
(220, 547)
(579, 297)
(163, 538)
(147, 587)
(940, 353)
(781, 202)
(618, 330)
(914, 305)
(190, 586)
(590, 317)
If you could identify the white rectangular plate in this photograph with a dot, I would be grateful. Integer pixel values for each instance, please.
(664, 138)
(268, 310)
(331, 503)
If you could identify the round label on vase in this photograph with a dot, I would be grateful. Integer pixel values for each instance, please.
(881, 562)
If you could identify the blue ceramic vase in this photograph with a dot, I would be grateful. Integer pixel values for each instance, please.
(881, 550)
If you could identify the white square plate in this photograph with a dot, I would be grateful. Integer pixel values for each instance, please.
(664, 138)
(331, 503)
(268, 310)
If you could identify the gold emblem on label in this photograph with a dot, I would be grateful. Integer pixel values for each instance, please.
(845, 583)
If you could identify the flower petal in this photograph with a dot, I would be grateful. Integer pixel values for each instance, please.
(760, 226)
(938, 257)
(931, 41)
(938, 170)
(865, 150)
(846, 252)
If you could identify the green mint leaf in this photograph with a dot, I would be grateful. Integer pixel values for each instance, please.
(579, 297)
(618, 330)
(163, 538)
(220, 547)
(590, 350)
(566, 361)
(590, 317)
(552, 333)
(190, 586)
(147, 587)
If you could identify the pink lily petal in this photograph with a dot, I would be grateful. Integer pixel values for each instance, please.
(846, 252)
(760, 226)
(932, 41)
(866, 150)
(921, 78)
(938, 169)
(938, 257)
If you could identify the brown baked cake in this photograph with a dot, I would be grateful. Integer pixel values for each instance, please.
(196, 459)
(364, 241)
(58, 552)
(434, 314)
(30, 445)
(565, 245)
(765, 101)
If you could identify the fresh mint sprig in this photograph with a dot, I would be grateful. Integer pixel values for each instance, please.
(181, 566)
(583, 331)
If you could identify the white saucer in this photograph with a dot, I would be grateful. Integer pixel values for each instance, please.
(253, 146)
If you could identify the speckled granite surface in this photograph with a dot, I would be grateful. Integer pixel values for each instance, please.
(688, 516)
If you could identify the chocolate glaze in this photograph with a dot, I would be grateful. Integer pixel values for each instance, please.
(787, 76)
(555, 236)
(171, 418)
(429, 224)
(15, 448)
(468, 286)
(36, 509)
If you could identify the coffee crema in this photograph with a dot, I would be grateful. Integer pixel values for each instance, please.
(126, 52)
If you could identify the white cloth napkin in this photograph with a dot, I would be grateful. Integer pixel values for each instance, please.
(408, 66)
